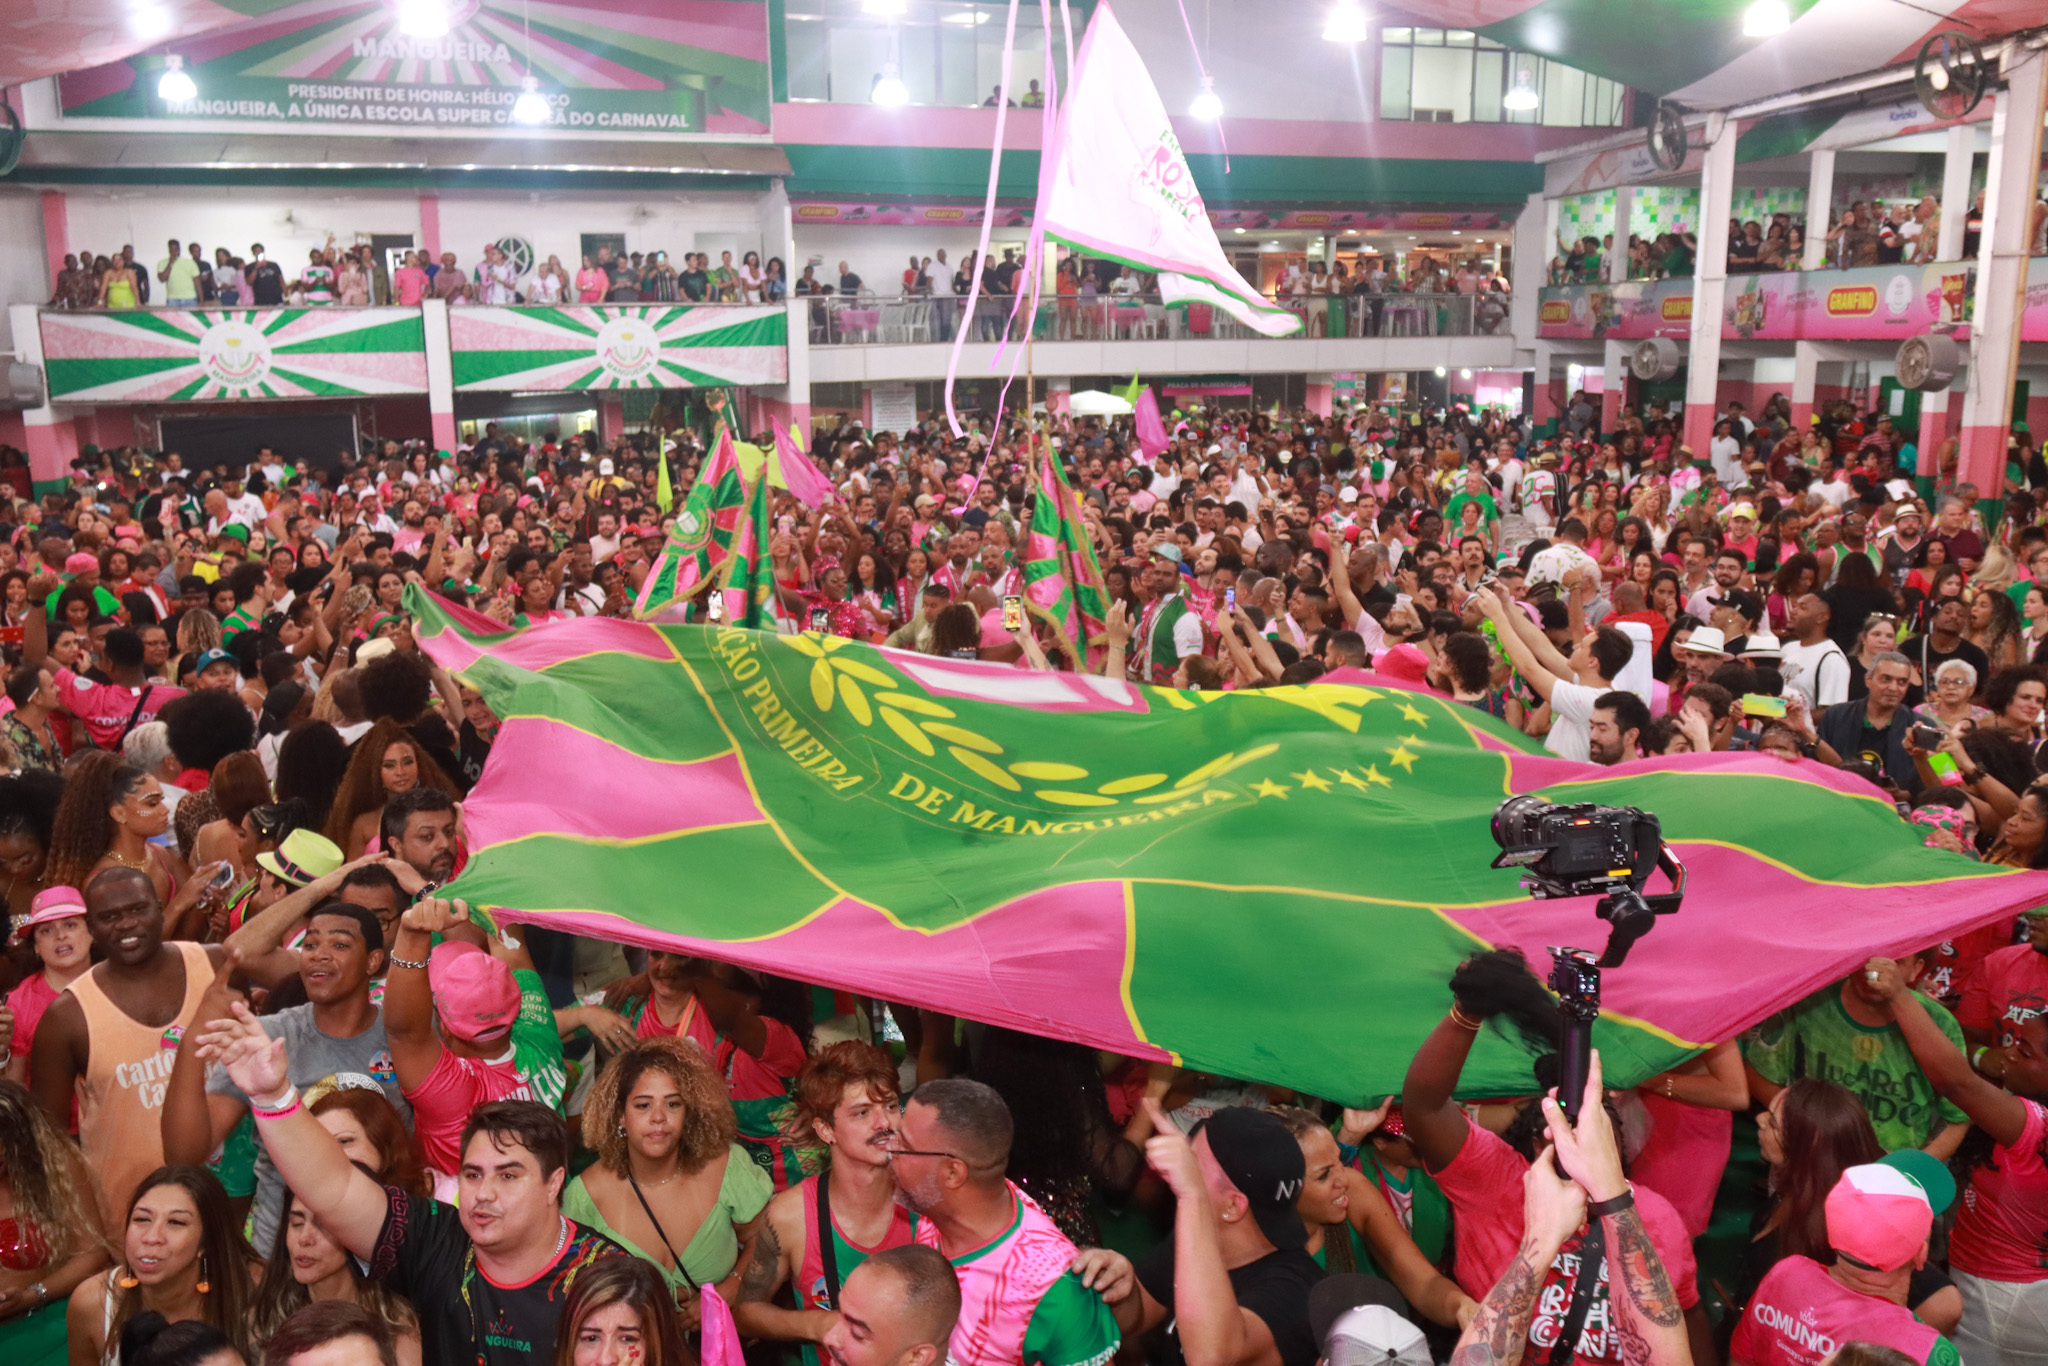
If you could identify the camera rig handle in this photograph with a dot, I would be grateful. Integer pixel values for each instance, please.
(1631, 913)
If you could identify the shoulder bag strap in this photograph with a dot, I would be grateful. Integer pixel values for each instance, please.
(828, 1242)
(1592, 1252)
(136, 715)
(661, 1232)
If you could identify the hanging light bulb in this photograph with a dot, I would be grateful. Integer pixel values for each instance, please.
(531, 106)
(1208, 105)
(423, 18)
(890, 89)
(1765, 18)
(1347, 23)
(887, 8)
(1523, 96)
(175, 85)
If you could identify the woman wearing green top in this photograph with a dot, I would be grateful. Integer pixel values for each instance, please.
(670, 1184)
(1351, 1227)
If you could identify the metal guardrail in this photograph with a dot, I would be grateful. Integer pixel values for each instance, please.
(874, 320)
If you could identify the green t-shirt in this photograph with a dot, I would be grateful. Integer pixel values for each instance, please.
(1070, 1327)
(536, 1046)
(1454, 509)
(1817, 1038)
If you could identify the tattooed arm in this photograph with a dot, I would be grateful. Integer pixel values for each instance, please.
(1552, 1209)
(768, 1265)
(1648, 1322)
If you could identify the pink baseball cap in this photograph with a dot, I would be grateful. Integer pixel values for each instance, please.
(474, 992)
(81, 563)
(1878, 1217)
(1405, 662)
(52, 903)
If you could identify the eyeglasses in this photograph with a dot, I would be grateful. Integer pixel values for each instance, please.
(893, 1152)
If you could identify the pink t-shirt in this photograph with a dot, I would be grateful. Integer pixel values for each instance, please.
(411, 284)
(1801, 1314)
(1484, 1184)
(2009, 987)
(1686, 1154)
(456, 1086)
(106, 707)
(28, 1001)
(2002, 1232)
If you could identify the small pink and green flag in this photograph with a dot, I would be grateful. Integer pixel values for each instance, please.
(1062, 578)
(701, 539)
(750, 598)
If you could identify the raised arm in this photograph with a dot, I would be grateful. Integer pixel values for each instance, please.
(194, 1121)
(1527, 647)
(348, 1204)
(1551, 1211)
(1646, 1312)
(1214, 1329)
(258, 945)
(408, 1000)
(1434, 1295)
(1994, 1109)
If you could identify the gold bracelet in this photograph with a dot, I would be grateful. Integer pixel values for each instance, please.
(1462, 1020)
(1668, 1082)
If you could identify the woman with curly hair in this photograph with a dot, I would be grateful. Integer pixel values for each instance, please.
(387, 760)
(670, 1182)
(110, 813)
(182, 1256)
(49, 1231)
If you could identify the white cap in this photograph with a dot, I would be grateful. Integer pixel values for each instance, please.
(1706, 640)
(1374, 1335)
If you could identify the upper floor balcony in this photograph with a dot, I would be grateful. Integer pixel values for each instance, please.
(1865, 303)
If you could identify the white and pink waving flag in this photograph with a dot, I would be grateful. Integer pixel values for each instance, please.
(1121, 188)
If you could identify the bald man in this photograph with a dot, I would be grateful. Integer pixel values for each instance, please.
(116, 1030)
(897, 1308)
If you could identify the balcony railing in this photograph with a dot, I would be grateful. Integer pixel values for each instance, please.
(1880, 303)
(867, 320)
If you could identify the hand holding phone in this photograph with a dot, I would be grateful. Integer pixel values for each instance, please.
(1013, 612)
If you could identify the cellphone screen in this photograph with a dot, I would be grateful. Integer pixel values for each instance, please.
(1013, 612)
(1230, 599)
(1944, 766)
(821, 620)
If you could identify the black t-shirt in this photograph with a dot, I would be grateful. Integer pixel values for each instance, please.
(1922, 652)
(424, 1255)
(266, 283)
(1275, 1288)
(693, 283)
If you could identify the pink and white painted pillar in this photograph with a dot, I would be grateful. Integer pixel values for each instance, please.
(1614, 384)
(51, 438)
(788, 404)
(2002, 267)
(1805, 379)
(1955, 189)
(1709, 283)
(440, 373)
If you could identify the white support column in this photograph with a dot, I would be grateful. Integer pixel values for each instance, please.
(1615, 384)
(52, 439)
(440, 372)
(788, 404)
(1624, 211)
(1805, 380)
(1532, 267)
(2002, 267)
(1545, 410)
(1709, 283)
(1948, 246)
(1820, 202)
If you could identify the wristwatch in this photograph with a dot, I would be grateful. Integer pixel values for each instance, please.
(426, 890)
(42, 1294)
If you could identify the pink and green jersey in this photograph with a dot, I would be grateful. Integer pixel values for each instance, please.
(1800, 1314)
(1020, 1305)
(811, 1289)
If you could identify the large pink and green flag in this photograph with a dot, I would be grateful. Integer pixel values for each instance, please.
(1273, 884)
(750, 599)
(1062, 578)
(701, 538)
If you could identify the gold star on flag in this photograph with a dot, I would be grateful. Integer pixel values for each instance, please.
(1372, 772)
(1268, 788)
(1346, 776)
(1403, 756)
(1412, 716)
(1311, 778)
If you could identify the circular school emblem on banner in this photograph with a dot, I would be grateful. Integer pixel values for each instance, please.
(234, 354)
(627, 349)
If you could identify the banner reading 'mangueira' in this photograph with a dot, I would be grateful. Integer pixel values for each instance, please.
(1272, 885)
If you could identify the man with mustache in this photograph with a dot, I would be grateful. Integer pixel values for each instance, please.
(846, 1096)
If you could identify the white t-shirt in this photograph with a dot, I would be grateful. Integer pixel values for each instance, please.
(1726, 453)
(1836, 492)
(1537, 485)
(1571, 721)
(1820, 671)
(1553, 562)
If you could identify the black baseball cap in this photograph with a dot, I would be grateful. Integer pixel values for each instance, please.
(1265, 1163)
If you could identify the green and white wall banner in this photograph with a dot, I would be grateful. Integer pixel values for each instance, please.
(619, 346)
(166, 355)
(679, 68)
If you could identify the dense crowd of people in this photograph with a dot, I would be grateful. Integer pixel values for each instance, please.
(273, 1097)
(356, 276)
